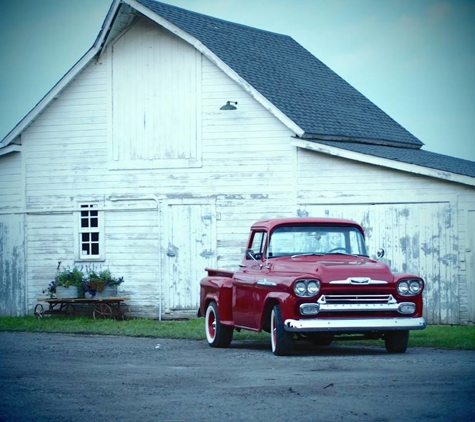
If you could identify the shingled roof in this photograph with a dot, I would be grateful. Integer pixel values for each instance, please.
(418, 157)
(297, 83)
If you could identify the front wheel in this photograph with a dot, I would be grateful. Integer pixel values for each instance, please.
(218, 335)
(396, 341)
(282, 341)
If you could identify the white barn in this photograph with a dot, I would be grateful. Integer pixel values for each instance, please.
(133, 138)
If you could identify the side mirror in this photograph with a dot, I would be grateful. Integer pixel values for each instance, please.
(254, 256)
(380, 253)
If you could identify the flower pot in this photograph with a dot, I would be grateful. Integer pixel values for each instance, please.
(107, 292)
(67, 292)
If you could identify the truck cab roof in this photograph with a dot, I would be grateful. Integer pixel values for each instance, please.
(270, 224)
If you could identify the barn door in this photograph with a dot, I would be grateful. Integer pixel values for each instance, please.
(470, 267)
(12, 266)
(190, 235)
(418, 239)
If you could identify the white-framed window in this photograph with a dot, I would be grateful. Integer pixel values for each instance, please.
(90, 232)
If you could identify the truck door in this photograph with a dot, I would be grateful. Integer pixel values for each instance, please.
(246, 301)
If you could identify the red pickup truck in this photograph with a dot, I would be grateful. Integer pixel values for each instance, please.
(311, 279)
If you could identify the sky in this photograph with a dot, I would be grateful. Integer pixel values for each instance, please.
(415, 59)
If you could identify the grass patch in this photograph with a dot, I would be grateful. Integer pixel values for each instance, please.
(192, 329)
(84, 325)
(438, 336)
(455, 337)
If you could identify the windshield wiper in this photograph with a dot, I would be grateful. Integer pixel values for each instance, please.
(308, 254)
(342, 253)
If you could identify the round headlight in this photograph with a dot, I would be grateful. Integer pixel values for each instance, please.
(415, 286)
(403, 287)
(313, 286)
(300, 288)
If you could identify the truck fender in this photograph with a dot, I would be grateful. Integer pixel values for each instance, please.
(274, 298)
(218, 290)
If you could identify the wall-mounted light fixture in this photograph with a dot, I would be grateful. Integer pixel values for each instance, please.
(229, 106)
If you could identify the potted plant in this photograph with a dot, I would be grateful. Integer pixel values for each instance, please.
(68, 283)
(102, 284)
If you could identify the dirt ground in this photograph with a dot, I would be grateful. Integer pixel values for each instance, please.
(60, 377)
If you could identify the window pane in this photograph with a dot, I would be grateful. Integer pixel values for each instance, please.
(89, 231)
(258, 242)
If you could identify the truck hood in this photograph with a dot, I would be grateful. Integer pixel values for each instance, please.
(338, 267)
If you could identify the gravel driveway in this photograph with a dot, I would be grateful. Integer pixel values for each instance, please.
(61, 377)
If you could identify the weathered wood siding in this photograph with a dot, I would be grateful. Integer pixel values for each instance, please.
(133, 251)
(65, 153)
(12, 240)
(416, 219)
(467, 288)
(177, 181)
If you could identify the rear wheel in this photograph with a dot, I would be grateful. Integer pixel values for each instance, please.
(39, 311)
(102, 310)
(281, 341)
(396, 341)
(218, 335)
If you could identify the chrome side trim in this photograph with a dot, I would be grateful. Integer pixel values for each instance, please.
(264, 282)
(355, 324)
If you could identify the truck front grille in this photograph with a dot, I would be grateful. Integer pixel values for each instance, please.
(358, 303)
(356, 299)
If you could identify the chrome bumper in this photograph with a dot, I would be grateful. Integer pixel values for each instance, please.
(354, 325)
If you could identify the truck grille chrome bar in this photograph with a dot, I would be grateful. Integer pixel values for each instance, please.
(351, 303)
(357, 299)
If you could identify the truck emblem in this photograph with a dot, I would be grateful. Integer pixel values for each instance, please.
(360, 280)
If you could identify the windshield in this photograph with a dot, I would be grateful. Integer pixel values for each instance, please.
(318, 240)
